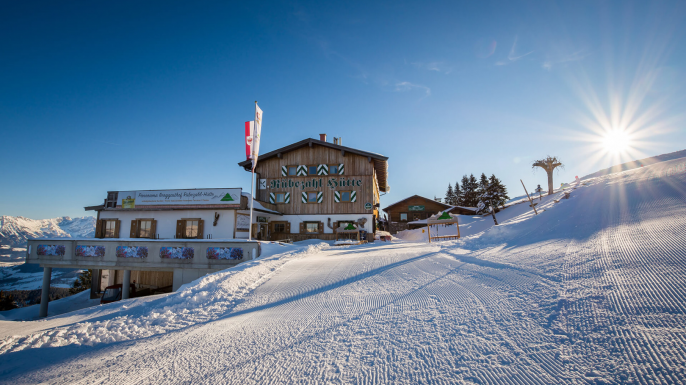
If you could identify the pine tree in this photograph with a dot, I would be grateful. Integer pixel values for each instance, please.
(499, 191)
(457, 195)
(483, 184)
(83, 282)
(7, 302)
(449, 195)
(465, 191)
(471, 196)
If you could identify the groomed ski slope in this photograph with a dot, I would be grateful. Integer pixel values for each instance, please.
(591, 291)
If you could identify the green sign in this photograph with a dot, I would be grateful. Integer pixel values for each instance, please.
(367, 206)
(416, 208)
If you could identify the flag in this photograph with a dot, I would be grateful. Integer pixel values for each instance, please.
(256, 135)
(248, 139)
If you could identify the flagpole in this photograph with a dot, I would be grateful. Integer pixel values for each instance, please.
(252, 178)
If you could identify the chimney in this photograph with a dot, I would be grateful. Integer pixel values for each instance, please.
(335, 140)
(322, 137)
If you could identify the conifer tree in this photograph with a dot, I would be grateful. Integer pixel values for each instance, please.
(465, 189)
(497, 191)
(83, 282)
(457, 195)
(449, 195)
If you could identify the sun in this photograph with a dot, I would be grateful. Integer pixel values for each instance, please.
(616, 141)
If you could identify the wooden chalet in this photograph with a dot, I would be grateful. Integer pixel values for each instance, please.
(319, 186)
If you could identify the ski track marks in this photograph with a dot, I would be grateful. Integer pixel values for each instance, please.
(591, 291)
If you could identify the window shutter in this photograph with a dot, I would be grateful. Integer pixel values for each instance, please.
(320, 197)
(98, 228)
(303, 197)
(153, 229)
(116, 228)
(302, 227)
(201, 228)
(180, 228)
(341, 169)
(337, 197)
(134, 229)
(321, 228)
(272, 198)
(284, 170)
(287, 199)
(353, 196)
(288, 227)
(323, 169)
(301, 170)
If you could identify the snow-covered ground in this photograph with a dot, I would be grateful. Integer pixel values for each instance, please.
(590, 291)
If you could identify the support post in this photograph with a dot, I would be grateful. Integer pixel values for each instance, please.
(45, 293)
(95, 283)
(126, 285)
(530, 200)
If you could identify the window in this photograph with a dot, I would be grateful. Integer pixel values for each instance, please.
(403, 217)
(333, 169)
(292, 170)
(312, 227)
(191, 228)
(311, 197)
(144, 230)
(345, 196)
(312, 170)
(280, 197)
(279, 227)
(110, 229)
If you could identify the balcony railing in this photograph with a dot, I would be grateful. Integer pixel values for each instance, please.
(140, 254)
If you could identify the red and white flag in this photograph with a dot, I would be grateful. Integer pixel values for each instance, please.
(249, 139)
(257, 131)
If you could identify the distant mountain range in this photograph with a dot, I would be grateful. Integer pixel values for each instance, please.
(14, 231)
(638, 163)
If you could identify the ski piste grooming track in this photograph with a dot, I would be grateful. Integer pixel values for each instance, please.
(592, 290)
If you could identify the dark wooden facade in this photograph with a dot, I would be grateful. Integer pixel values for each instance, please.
(431, 207)
(364, 173)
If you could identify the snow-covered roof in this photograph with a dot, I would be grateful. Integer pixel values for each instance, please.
(258, 206)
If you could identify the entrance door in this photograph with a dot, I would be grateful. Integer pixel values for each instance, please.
(264, 232)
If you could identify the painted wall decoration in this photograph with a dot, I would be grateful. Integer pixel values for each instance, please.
(177, 252)
(224, 253)
(132, 252)
(90, 251)
(56, 250)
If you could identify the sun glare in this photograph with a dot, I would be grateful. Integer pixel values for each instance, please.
(616, 141)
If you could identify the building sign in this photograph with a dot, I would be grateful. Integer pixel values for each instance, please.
(367, 206)
(315, 183)
(242, 222)
(415, 208)
(262, 219)
(217, 196)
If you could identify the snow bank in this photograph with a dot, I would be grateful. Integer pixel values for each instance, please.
(64, 305)
(202, 300)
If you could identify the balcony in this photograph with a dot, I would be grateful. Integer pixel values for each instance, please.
(140, 254)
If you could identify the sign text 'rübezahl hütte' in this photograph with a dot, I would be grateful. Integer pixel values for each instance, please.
(215, 196)
(315, 183)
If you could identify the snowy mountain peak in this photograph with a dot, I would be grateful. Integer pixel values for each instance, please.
(15, 231)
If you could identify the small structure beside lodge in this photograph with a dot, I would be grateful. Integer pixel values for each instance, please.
(319, 186)
(412, 212)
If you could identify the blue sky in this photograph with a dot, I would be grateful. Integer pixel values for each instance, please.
(99, 96)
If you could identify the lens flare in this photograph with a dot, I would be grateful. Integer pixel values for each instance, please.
(616, 141)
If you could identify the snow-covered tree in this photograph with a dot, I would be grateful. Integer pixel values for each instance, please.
(549, 164)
